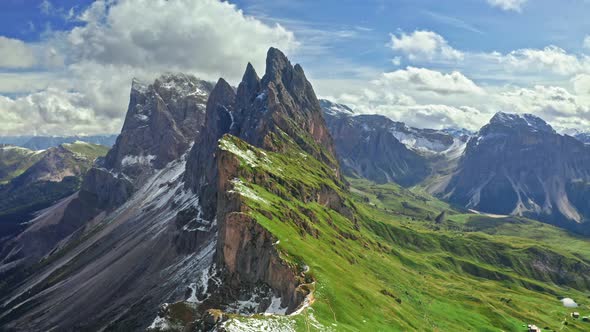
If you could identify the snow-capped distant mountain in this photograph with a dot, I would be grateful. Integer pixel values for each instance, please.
(383, 150)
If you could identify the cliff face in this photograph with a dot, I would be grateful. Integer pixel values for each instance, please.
(162, 120)
(246, 249)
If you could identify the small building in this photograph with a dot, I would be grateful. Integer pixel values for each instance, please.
(576, 314)
(534, 328)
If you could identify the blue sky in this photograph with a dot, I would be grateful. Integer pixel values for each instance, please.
(65, 67)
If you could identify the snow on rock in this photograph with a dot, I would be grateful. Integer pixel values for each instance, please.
(530, 121)
(137, 160)
(416, 142)
(335, 109)
(275, 307)
(267, 324)
(160, 324)
(248, 156)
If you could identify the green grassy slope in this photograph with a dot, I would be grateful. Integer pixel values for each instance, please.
(391, 267)
(87, 150)
(16, 160)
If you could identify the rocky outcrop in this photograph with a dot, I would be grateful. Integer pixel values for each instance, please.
(519, 165)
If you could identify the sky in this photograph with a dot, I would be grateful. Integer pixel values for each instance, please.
(66, 66)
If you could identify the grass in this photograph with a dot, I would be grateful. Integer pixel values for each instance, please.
(388, 266)
(87, 150)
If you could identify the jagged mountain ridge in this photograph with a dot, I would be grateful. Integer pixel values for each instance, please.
(518, 164)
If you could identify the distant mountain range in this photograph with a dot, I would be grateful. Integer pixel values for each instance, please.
(45, 142)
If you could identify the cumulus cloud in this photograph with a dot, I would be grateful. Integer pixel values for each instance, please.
(115, 41)
(424, 45)
(52, 111)
(209, 37)
(430, 80)
(15, 54)
(514, 5)
(551, 58)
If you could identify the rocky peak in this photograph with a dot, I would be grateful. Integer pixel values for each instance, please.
(249, 86)
(527, 122)
(161, 122)
(260, 112)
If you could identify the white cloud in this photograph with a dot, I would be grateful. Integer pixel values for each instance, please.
(424, 45)
(209, 37)
(551, 58)
(514, 5)
(587, 43)
(116, 41)
(430, 80)
(581, 84)
(15, 54)
(52, 111)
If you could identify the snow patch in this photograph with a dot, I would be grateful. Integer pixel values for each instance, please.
(137, 160)
(275, 307)
(248, 156)
(242, 189)
(419, 143)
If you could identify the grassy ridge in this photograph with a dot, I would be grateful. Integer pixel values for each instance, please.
(392, 267)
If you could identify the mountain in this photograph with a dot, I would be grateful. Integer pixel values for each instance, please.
(45, 142)
(519, 165)
(253, 227)
(175, 105)
(14, 160)
(37, 179)
(382, 150)
(583, 137)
